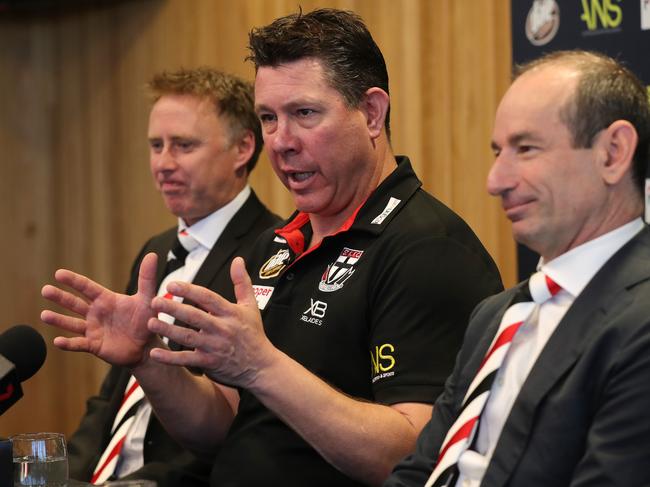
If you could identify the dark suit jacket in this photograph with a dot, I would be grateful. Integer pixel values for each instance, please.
(165, 460)
(582, 417)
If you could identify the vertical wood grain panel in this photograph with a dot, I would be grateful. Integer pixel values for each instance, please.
(76, 189)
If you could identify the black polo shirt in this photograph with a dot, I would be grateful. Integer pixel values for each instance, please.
(378, 310)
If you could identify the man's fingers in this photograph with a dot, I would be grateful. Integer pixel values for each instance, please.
(86, 287)
(242, 282)
(186, 358)
(75, 344)
(65, 299)
(64, 322)
(179, 334)
(147, 276)
(182, 312)
(202, 297)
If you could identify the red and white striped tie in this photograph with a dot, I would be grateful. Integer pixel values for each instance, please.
(133, 395)
(459, 437)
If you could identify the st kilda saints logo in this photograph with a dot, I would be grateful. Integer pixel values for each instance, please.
(340, 270)
(275, 264)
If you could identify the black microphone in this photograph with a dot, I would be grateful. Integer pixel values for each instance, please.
(22, 353)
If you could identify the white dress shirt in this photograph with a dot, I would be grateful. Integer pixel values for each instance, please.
(572, 271)
(206, 231)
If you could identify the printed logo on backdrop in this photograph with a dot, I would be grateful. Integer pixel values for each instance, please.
(542, 22)
(601, 16)
(645, 14)
(340, 270)
(275, 264)
(382, 362)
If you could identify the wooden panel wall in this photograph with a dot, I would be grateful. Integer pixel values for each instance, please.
(75, 186)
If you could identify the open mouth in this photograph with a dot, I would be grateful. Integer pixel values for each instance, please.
(299, 177)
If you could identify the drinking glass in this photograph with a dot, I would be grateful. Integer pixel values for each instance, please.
(40, 459)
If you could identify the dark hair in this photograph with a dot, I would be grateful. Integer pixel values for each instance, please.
(339, 39)
(232, 97)
(606, 91)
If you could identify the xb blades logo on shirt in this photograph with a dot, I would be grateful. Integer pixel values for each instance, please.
(315, 313)
(275, 264)
(339, 271)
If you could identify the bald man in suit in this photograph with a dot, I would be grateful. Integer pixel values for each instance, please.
(569, 402)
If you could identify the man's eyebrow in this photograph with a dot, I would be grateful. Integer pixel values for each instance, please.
(517, 138)
(261, 107)
(290, 104)
(178, 137)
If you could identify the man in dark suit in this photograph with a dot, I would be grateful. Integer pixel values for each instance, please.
(570, 398)
(204, 139)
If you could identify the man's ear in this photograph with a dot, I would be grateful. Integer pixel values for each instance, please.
(375, 106)
(616, 144)
(244, 146)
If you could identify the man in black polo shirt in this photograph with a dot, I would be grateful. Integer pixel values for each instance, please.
(357, 304)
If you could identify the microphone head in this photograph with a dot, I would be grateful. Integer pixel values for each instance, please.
(25, 348)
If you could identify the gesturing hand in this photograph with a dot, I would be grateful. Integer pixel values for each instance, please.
(228, 340)
(111, 326)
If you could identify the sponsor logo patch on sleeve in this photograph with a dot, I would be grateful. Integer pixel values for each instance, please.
(382, 362)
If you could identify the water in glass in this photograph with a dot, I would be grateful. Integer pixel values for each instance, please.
(51, 472)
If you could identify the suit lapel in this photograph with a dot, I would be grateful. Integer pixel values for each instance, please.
(225, 247)
(490, 314)
(575, 330)
(219, 256)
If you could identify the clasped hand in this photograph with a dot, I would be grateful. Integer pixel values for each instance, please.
(227, 339)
